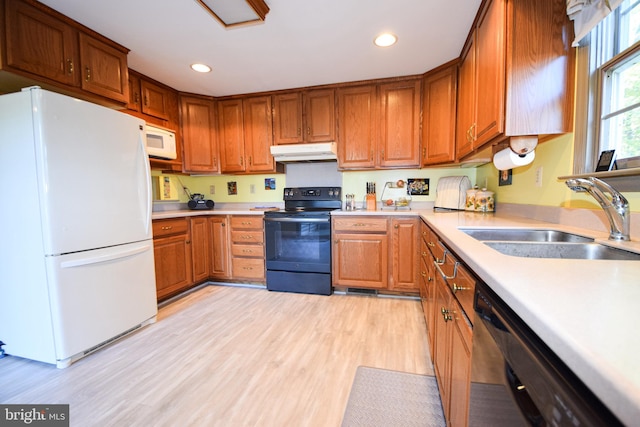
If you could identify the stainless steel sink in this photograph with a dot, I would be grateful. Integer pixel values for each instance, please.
(563, 250)
(524, 235)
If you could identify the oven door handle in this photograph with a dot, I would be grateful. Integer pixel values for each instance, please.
(288, 219)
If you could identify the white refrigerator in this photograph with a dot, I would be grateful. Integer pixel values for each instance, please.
(76, 251)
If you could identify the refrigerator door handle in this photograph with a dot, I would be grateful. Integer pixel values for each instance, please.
(104, 258)
(147, 182)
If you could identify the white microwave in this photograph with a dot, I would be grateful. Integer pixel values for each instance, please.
(161, 143)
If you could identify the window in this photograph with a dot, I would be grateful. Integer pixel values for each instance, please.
(611, 54)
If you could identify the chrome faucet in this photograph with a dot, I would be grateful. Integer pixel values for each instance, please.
(615, 206)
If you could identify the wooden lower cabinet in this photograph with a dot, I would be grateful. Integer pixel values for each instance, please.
(172, 254)
(376, 252)
(405, 250)
(200, 252)
(247, 248)
(219, 247)
(450, 330)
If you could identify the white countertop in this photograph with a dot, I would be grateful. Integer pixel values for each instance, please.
(586, 311)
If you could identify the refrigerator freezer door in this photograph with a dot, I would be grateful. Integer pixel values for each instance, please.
(94, 182)
(97, 295)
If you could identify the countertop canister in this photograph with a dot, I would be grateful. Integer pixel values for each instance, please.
(485, 201)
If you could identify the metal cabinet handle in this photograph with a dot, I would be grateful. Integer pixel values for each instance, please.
(69, 66)
(88, 74)
(444, 276)
(457, 288)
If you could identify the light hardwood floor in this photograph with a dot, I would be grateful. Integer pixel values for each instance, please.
(232, 356)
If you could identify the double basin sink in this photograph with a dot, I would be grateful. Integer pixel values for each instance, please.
(541, 243)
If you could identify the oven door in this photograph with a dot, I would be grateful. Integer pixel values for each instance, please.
(298, 244)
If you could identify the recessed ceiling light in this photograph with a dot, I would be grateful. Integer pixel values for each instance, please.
(201, 68)
(385, 40)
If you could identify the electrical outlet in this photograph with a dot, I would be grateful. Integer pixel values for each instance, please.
(212, 189)
(252, 188)
(539, 176)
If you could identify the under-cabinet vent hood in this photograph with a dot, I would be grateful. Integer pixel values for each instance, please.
(304, 152)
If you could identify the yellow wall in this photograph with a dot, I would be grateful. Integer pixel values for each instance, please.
(555, 157)
(202, 184)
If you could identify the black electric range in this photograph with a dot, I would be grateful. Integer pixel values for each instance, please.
(298, 240)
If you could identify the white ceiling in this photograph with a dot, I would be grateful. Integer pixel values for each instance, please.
(301, 43)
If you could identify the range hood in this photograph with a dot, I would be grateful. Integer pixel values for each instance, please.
(304, 152)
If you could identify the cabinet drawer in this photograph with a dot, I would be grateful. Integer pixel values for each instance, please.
(168, 227)
(463, 286)
(242, 236)
(246, 222)
(360, 224)
(247, 250)
(251, 268)
(435, 246)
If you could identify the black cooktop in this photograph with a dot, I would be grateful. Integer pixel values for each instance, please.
(310, 201)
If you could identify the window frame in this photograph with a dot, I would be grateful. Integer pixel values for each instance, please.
(590, 86)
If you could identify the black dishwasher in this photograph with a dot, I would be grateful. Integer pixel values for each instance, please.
(517, 380)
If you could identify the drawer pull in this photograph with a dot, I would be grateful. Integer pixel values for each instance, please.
(444, 276)
(457, 288)
(167, 227)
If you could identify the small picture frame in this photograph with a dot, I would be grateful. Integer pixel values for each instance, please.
(505, 177)
(605, 161)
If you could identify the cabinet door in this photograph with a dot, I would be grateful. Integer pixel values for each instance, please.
(287, 118)
(135, 98)
(40, 44)
(219, 244)
(155, 100)
(360, 260)
(439, 117)
(172, 265)
(258, 134)
(490, 72)
(399, 144)
(231, 136)
(198, 133)
(465, 121)
(461, 337)
(441, 360)
(104, 69)
(404, 254)
(357, 124)
(319, 116)
(200, 248)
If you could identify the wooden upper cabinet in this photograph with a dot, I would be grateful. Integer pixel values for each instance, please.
(490, 73)
(357, 124)
(47, 47)
(154, 99)
(231, 135)
(439, 116)
(516, 75)
(308, 116)
(104, 69)
(466, 99)
(258, 131)
(135, 97)
(287, 118)
(41, 44)
(399, 144)
(319, 115)
(198, 132)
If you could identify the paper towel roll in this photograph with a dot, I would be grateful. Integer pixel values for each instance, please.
(507, 159)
